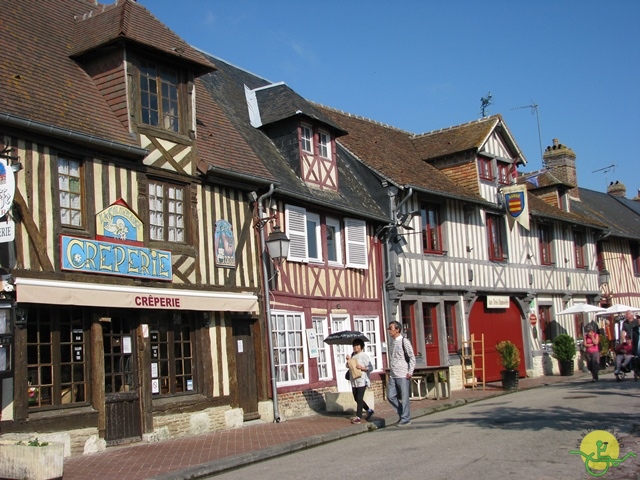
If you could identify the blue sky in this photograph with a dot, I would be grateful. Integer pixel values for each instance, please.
(423, 65)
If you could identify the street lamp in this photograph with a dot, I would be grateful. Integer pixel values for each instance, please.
(603, 277)
(278, 244)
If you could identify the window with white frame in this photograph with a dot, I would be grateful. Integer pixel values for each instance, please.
(314, 242)
(334, 241)
(307, 244)
(324, 144)
(166, 212)
(370, 326)
(70, 191)
(321, 329)
(355, 234)
(306, 138)
(289, 348)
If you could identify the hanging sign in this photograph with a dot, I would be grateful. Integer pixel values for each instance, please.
(515, 198)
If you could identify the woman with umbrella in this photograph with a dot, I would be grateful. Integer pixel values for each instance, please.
(359, 362)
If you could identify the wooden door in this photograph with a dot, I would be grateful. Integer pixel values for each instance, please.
(122, 397)
(430, 324)
(497, 324)
(246, 367)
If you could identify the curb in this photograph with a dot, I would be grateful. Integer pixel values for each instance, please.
(236, 461)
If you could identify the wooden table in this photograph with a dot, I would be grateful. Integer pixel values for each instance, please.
(425, 382)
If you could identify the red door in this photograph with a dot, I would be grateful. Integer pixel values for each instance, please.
(430, 323)
(496, 324)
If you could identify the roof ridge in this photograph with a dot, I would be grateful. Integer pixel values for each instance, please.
(216, 57)
(452, 127)
(359, 117)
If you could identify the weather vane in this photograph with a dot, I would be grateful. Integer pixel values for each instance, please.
(484, 103)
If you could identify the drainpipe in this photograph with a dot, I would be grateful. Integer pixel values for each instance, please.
(387, 254)
(267, 303)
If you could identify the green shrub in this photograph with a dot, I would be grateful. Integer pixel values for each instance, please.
(509, 355)
(564, 347)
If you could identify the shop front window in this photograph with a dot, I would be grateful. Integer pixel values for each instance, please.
(56, 357)
(172, 354)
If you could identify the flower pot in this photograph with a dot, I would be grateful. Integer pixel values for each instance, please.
(509, 379)
(24, 461)
(566, 367)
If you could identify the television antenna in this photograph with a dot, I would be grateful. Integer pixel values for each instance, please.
(534, 110)
(606, 170)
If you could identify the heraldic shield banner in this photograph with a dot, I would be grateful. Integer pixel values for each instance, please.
(515, 199)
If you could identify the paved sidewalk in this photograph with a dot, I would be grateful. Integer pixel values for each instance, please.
(201, 455)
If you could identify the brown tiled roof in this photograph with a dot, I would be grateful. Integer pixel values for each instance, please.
(540, 208)
(393, 154)
(460, 138)
(129, 20)
(39, 81)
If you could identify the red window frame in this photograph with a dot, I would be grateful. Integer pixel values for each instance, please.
(484, 168)
(544, 238)
(578, 247)
(635, 259)
(503, 173)
(450, 326)
(431, 234)
(408, 321)
(544, 322)
(429, 317)
(494, 231)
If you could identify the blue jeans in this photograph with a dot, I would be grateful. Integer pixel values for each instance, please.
(398, 396)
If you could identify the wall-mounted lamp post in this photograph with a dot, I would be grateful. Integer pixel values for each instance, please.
(278, 245)
(604, 277)
(21, 317)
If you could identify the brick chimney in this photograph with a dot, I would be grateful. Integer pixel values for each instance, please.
(561, 163)
(617, 189)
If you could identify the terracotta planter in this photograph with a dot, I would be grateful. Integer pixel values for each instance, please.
(509, 379)
(35, 463)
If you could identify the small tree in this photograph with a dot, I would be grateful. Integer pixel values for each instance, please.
(509, 355)
(564, 347)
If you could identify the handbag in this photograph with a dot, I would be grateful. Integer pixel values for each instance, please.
(347, 376)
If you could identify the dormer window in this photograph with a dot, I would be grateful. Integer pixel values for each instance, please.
(503, 173)
(159, 96)
(484, 168)
(306, 139)
(324, 144)
(317, 164)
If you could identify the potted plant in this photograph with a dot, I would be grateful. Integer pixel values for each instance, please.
(509, 358)
(31, 459)
(564, 349)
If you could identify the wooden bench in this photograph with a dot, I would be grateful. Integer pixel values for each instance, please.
(426, 383)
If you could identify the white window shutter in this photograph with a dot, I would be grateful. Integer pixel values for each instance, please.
(356, 243)
(296, 225)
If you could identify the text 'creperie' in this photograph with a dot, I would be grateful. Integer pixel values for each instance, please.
(92, 256)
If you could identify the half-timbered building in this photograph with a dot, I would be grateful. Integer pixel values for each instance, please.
(131, 280)
(618, 247)
(459, 268)
(326, 204)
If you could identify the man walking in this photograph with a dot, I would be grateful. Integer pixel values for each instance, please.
(402, 361)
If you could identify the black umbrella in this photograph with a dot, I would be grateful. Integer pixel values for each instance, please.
(345, 338)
